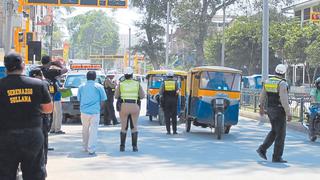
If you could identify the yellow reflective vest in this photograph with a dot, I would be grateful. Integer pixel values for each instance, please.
(129, 90)
(169, 85)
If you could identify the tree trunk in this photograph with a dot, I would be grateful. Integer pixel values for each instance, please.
(314, 75)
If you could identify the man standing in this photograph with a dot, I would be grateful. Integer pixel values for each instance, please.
(169, 101)
(109, 113)
(22, 100)
(91, 96)
(52, 71)
(129, 92)
(274, 96)
(57, 114)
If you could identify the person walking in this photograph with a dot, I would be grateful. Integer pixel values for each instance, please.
(109, 113)
(274, 96)
(22, 100)
(169, 101)
(91, 96)
(129, 92)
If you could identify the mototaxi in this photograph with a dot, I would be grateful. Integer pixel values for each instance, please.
(212, 98)
(155, 79)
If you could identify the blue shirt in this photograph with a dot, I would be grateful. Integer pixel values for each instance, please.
(57, 96)
(90, 95)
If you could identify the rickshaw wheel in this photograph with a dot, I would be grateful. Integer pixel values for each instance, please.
(227, 129)
(219, 127)
(313, 138)
(150, 118)
(188, 124)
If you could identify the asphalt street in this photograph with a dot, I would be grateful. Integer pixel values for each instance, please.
(187, 156)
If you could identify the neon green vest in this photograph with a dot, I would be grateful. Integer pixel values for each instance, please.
(272, 85)
(169, 85)
(129, 89)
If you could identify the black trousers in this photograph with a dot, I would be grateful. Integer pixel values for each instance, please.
(170, 113)
(45, 130)
(109, 113)
(277, 134)
(23, 146)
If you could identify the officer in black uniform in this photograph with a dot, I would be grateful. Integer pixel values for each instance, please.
(37, 73)
(22, 100)
(169, 101)
(274, 96)
(109, 113)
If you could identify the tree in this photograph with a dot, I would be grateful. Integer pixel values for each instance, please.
(195, 16)
(93, 31)
(152, 31)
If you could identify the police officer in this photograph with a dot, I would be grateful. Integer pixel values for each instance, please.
(109, 113)
(274, 96)
(22, 100)
(129, 92)
(37, 73)
(169, 101)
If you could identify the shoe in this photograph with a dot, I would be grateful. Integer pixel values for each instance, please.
(175, 133)
(262, 153)
(52, 132)
(50, 149)
(115, 123)
(134, 137)
(123, 137)
(168, 133)
(60, 132)
(279, 160)
(92, 153)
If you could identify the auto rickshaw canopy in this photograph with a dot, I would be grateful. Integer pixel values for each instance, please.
(215, 69)
(164, 72)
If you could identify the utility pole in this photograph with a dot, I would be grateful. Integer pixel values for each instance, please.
(129, 55)
(167, 34)
(265, 41)
(223, 38)
(8, 8)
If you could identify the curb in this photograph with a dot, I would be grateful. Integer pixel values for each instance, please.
(296, 126)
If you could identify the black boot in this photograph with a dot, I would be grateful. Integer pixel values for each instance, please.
(122, 141)
(134, 141)
(262, 153)
(278, 160)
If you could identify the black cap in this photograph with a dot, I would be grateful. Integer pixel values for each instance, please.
(91, 75)
(45, 59)
(35, 72)
(13, 61)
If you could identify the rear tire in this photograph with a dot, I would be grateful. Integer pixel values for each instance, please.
(227, 129)
(219, 127)
(64, 119)
(150, 118)
(188, 124)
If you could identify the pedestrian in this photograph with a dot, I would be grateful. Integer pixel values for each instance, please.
(37, 73)
(109, 113)
(313, 109)
(169, 101)
(52, 70)
(91, 96)
(22, 100)
(57, 114)
(274, 99)
(129, 92)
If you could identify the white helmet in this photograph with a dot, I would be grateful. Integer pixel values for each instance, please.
(128, 71)
(281, 69)
(170, 73)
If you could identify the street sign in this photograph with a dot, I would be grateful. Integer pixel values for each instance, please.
(106, 56)
(81, 3)
(315, 16)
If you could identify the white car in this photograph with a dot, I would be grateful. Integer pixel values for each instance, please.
(71, 105)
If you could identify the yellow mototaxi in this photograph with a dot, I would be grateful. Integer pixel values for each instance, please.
(212, 98)
(155, 79)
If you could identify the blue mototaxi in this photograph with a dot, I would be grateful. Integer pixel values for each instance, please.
(204, 84)
(155, 79)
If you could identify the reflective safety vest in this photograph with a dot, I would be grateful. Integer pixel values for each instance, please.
(169, 85)
(129, 89)
(272, 89)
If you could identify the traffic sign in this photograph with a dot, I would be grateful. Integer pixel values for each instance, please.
(315, 16)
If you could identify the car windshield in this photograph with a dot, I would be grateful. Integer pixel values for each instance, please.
(220, 81)
(74, 81)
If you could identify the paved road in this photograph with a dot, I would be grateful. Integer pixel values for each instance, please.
(188, 156)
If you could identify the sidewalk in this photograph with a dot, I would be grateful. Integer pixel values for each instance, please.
(291, 125)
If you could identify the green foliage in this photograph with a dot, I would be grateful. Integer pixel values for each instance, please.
(152, 31)
(93, 30)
